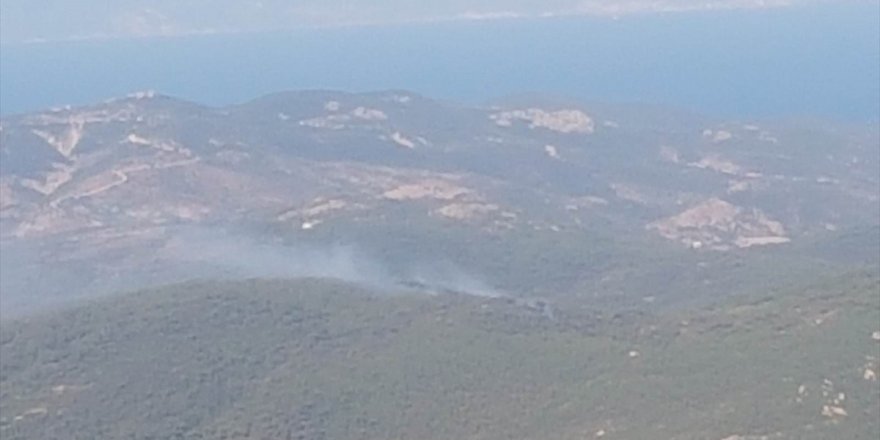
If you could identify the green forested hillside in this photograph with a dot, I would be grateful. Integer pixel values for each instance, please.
(314, 359)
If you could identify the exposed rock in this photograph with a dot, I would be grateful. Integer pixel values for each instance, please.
(563, 121)
(719, 224)
(141, 95)
(332, 122)
(318, 207)
(38, 411)
(736, 186)
(430, 188)
(717, 164)
(832, 411)
(399, 99)
(168, 146)
(466, 211)
(137, 140)
(310, 225)
(746, 242)
(190, 213)
(369, 114)
(717, 136)
(401, 140)
(339, 121)
(766, 137)
(721, 136)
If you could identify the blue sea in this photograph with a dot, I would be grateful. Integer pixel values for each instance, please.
(818, 61)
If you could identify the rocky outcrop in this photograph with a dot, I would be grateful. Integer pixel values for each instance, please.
(562, 121)
(719, 225)
(426, 189)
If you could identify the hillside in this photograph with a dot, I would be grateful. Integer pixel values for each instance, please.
(526, 196)
(313, 359)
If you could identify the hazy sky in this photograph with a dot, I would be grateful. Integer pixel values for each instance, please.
(29, 20)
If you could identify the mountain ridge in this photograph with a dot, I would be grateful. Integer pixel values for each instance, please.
(126, 177)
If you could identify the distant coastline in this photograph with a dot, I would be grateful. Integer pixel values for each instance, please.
(775, 63)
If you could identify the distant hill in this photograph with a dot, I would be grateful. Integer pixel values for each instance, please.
(528, 196)
(316, 359)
